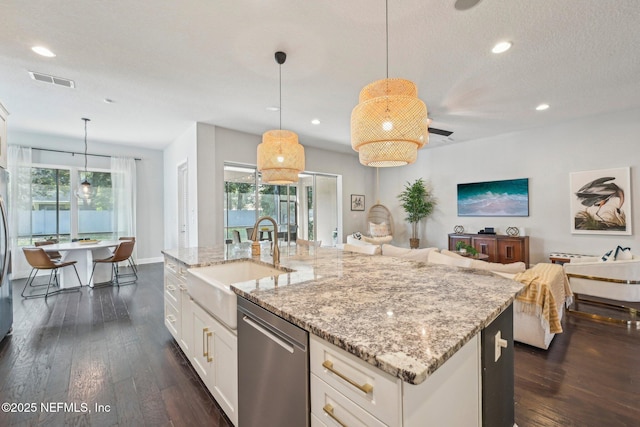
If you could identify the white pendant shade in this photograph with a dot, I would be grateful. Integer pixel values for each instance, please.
(389, 124)
(280, 157)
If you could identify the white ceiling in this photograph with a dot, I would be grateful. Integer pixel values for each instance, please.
(168, 63)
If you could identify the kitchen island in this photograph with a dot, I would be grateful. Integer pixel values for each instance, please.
(408, 319)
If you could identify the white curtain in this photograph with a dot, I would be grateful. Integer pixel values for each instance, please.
(19, 164)
(123, 184)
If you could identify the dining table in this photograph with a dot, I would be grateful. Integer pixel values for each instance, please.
(84, 252)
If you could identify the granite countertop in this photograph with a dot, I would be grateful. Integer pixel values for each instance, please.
(405, 317)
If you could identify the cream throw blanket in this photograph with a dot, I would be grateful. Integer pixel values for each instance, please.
(546, 284)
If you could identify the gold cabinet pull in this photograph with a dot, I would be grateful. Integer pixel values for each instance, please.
(171, 318)
(171, 288)
(209, 359)
(205, 346)
(365, 388)
(329, 410)
(182, 287)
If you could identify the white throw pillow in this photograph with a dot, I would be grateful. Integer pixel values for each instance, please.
(363, 249)
(437, 258)
(406, 253)
(512, 268)
(378, 230)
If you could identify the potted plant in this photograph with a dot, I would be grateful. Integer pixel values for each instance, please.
(463, 247)
(418, 203)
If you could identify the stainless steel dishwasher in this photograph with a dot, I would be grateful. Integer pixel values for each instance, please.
(273, 370)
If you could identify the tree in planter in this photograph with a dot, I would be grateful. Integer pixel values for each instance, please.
(418, 203)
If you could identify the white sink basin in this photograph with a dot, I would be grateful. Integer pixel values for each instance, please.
(210, 286)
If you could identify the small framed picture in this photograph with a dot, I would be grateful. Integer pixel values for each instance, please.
(357, 202)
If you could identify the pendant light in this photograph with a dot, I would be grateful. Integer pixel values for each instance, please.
(85, 191)
(280, 156)
(389, 124)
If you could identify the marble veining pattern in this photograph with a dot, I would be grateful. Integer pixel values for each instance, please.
(405, 317)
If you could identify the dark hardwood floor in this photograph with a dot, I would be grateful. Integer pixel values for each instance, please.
(109, 346)
(106, 346)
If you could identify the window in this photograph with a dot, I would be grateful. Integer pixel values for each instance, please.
(57, 214)
(50, 206)
(95, 219)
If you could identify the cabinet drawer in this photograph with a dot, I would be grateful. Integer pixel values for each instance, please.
(333, 409)
(172, 318)
(175, 267)
(173, 289)
(315, 421)
(349, 375)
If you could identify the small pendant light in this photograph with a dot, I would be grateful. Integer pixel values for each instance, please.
(280, 156)
(85, 191)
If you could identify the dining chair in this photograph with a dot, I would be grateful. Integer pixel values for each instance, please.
(122, 253)
(132, 262)
(39, 260)
(55, 256)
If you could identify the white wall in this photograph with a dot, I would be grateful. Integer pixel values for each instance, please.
(546, 156)
(149, 170)
(183, 149)
(240, 147)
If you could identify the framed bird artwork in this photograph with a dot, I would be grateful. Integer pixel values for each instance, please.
(601, 201)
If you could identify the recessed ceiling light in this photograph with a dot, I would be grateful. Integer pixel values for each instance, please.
(542, 107)
(41, 50)
(273, 108)
(315, 122)
(501, 47)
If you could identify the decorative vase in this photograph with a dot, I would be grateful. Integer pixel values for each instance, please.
(458, 229)
(414, 243)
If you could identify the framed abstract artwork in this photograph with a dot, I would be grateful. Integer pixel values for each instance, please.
(494, 198)
(357, 202)
(601, 201)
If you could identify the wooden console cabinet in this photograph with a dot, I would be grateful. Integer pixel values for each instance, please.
(500, 248)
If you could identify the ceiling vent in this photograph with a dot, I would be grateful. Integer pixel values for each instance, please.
(59, 81)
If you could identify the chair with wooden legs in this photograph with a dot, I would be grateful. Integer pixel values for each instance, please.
(132, 262)
(39, 260)
(121, 254)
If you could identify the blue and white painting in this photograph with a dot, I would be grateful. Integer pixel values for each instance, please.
(494, 198)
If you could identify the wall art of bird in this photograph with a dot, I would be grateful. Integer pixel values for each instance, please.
(598, 192)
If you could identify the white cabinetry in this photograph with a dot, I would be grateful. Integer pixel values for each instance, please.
(210, 346)
(345, 390)
(3, 136)
(176, 304)
(214, 357)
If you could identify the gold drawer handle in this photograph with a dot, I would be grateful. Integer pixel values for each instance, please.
(365, 388)
(205, 345)
(182, 287)
(171, 318)
(329, 410)
(209, 359)
(171, 288)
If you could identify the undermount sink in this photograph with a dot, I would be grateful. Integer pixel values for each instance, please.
(210, 286)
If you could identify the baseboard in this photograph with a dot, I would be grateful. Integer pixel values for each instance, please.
(150, 260)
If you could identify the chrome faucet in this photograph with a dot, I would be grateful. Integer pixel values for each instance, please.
(254, 237)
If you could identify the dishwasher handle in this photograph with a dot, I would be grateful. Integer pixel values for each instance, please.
(269, 334)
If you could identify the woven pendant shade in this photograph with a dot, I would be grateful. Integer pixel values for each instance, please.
(389, 124)
(280, 157)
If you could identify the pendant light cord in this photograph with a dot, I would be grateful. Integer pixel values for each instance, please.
(85, 147)
(386, 17)
(280, 88)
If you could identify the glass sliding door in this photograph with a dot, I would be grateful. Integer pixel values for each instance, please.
(239, 202)
(306, 209)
